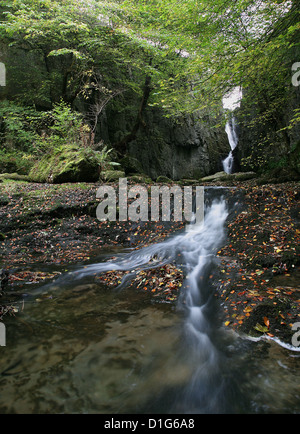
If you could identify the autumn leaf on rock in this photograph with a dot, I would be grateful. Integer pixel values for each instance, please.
(261, 328)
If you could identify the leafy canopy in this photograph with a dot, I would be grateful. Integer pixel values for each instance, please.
(192, 52)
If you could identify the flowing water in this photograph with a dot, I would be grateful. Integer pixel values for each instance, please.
(78, 346)
(231, 130)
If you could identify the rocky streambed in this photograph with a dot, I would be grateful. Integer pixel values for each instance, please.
(257, 281)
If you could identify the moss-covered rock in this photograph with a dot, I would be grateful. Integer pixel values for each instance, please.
(223, 176)
(219, 176)
(139, 178)
(70, 164)
(112, 175)
(186, 182)
(13, 176)
(164, 179)
(16, 162)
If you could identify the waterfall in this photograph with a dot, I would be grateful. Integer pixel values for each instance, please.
(231, 101)
(231, 130)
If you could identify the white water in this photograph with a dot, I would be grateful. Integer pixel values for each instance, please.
(196, 248)
(233, 141)
(196, 245)
(231, 101)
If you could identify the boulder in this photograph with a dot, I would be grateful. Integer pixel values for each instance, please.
(223, 176)
(139, 178)
(13, 176)
(219, 176)
(69, 164)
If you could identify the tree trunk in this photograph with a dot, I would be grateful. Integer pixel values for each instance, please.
(121, 146)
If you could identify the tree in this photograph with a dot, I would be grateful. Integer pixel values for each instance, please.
(87, 54)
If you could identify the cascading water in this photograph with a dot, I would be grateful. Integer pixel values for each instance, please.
(202, 390)
(230, 102)
(231, 131)
(85, 348)
(196, 250)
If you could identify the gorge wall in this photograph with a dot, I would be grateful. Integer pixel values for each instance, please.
(189, 147)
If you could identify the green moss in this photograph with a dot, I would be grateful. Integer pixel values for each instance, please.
(15, 162)
(112, 175)
(131, 165)
(164, 179)
(67, 164)
(13, 177)
(188, 182)
(140, 178)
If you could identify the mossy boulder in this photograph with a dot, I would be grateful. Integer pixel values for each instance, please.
(140, 178)
(223, 176)
(219, 176)
(67, 164)
(112, 175)
(186, 182)
(13, 177)
(244, 176)
(16, 162)
(164, 179)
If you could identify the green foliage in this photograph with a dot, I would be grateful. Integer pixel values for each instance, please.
(66, 127)
(18, 126)
(105, 158)
(225, 44)
(16, 162)
(192, 53)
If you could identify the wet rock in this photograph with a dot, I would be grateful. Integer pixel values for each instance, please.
(131, 165)
(223, 176)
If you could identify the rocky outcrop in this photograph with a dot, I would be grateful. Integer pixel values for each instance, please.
(189, 147)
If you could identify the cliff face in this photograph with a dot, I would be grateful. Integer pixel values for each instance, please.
(189, 147)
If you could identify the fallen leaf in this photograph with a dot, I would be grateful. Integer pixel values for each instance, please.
(261, 328)
(266, 321)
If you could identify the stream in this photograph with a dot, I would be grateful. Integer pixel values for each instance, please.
(77, 346)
